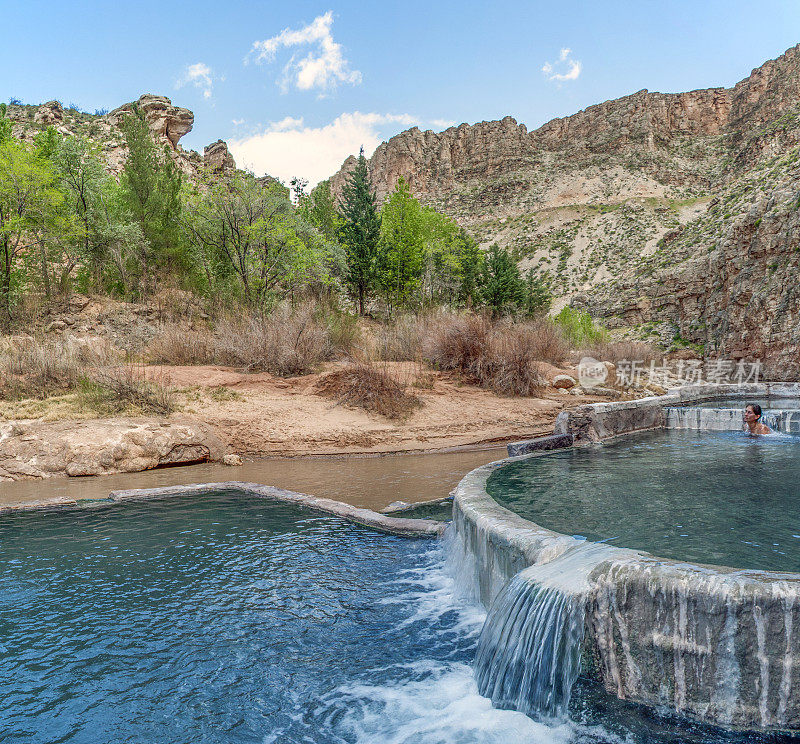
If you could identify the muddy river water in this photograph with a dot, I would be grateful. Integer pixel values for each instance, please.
(373, 482)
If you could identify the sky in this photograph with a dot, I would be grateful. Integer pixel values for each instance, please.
(296, 87)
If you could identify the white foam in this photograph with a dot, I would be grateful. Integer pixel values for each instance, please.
(444, 707)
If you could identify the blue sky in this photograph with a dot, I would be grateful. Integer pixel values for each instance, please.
(294, 87)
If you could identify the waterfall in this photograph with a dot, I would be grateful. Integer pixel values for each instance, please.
(529, 650)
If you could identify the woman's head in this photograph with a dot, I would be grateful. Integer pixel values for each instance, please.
(752, 412)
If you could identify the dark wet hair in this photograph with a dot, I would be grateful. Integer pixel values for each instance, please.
(756, 408)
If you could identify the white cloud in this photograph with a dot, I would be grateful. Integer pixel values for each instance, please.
(322, 68)
(237, 122)
(564, 68)
(199, 75)
(442, 123)
(287, 148)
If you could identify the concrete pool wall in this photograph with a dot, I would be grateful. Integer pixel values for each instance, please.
(714, 643)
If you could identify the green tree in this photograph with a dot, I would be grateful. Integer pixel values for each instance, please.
(537, 295)
(503, 289)
(442, 267)
(360, 232)
(248, 231)
(150, 190)
(319, 208)
(471, 264)
(77, 236)
(28, 201)
(401, 252)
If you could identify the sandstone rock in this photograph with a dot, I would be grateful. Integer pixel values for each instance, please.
(218, 157)
(604, 391)
(166, 122)
(564, 381)
(49, 114)
(41, 449)
(231, 459)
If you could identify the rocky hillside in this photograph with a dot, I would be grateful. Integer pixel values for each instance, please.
(673, 216)
(168, 124)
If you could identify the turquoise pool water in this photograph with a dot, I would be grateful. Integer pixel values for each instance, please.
(713, 497)
(784, 404)
(227, 619)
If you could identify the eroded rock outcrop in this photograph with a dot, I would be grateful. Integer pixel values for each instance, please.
(41, 449)
(167, 122)
(49, 114)
(218, 157)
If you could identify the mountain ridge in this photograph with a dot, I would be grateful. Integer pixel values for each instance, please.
(672, 216)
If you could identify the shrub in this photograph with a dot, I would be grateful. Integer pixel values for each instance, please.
(36, 369)
(502, 358)
(287, 342)
(404, 339)
(459, 344)
(177, 345)
(546, 341)
(116, 390)
(344, 332)
(509, 367)
(363, 385)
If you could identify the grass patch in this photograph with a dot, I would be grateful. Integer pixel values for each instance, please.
(224, 394)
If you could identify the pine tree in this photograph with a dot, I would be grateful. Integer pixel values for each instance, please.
(471, 262)
(503, 287)
(360, 231)
(537, 295)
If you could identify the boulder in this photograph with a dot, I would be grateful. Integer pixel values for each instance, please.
(564, 381)
(42, 449)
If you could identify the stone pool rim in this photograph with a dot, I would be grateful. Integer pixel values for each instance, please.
(385, 523)
(502, 543)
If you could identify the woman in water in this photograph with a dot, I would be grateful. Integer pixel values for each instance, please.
(752, 420)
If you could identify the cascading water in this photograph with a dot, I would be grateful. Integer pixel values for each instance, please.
(529, 650)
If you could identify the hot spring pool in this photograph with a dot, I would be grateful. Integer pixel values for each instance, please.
(712, 497)
(774, 403)
(233, 619)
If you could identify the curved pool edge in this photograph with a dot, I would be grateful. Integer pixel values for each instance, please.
(398, 526)
(718, 644)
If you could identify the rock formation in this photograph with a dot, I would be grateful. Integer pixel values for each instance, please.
(49, 114)
(43, 449)
(218, 157)
(167, 122)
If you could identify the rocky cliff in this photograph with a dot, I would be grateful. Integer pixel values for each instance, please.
(672, 216)
(167, 123)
